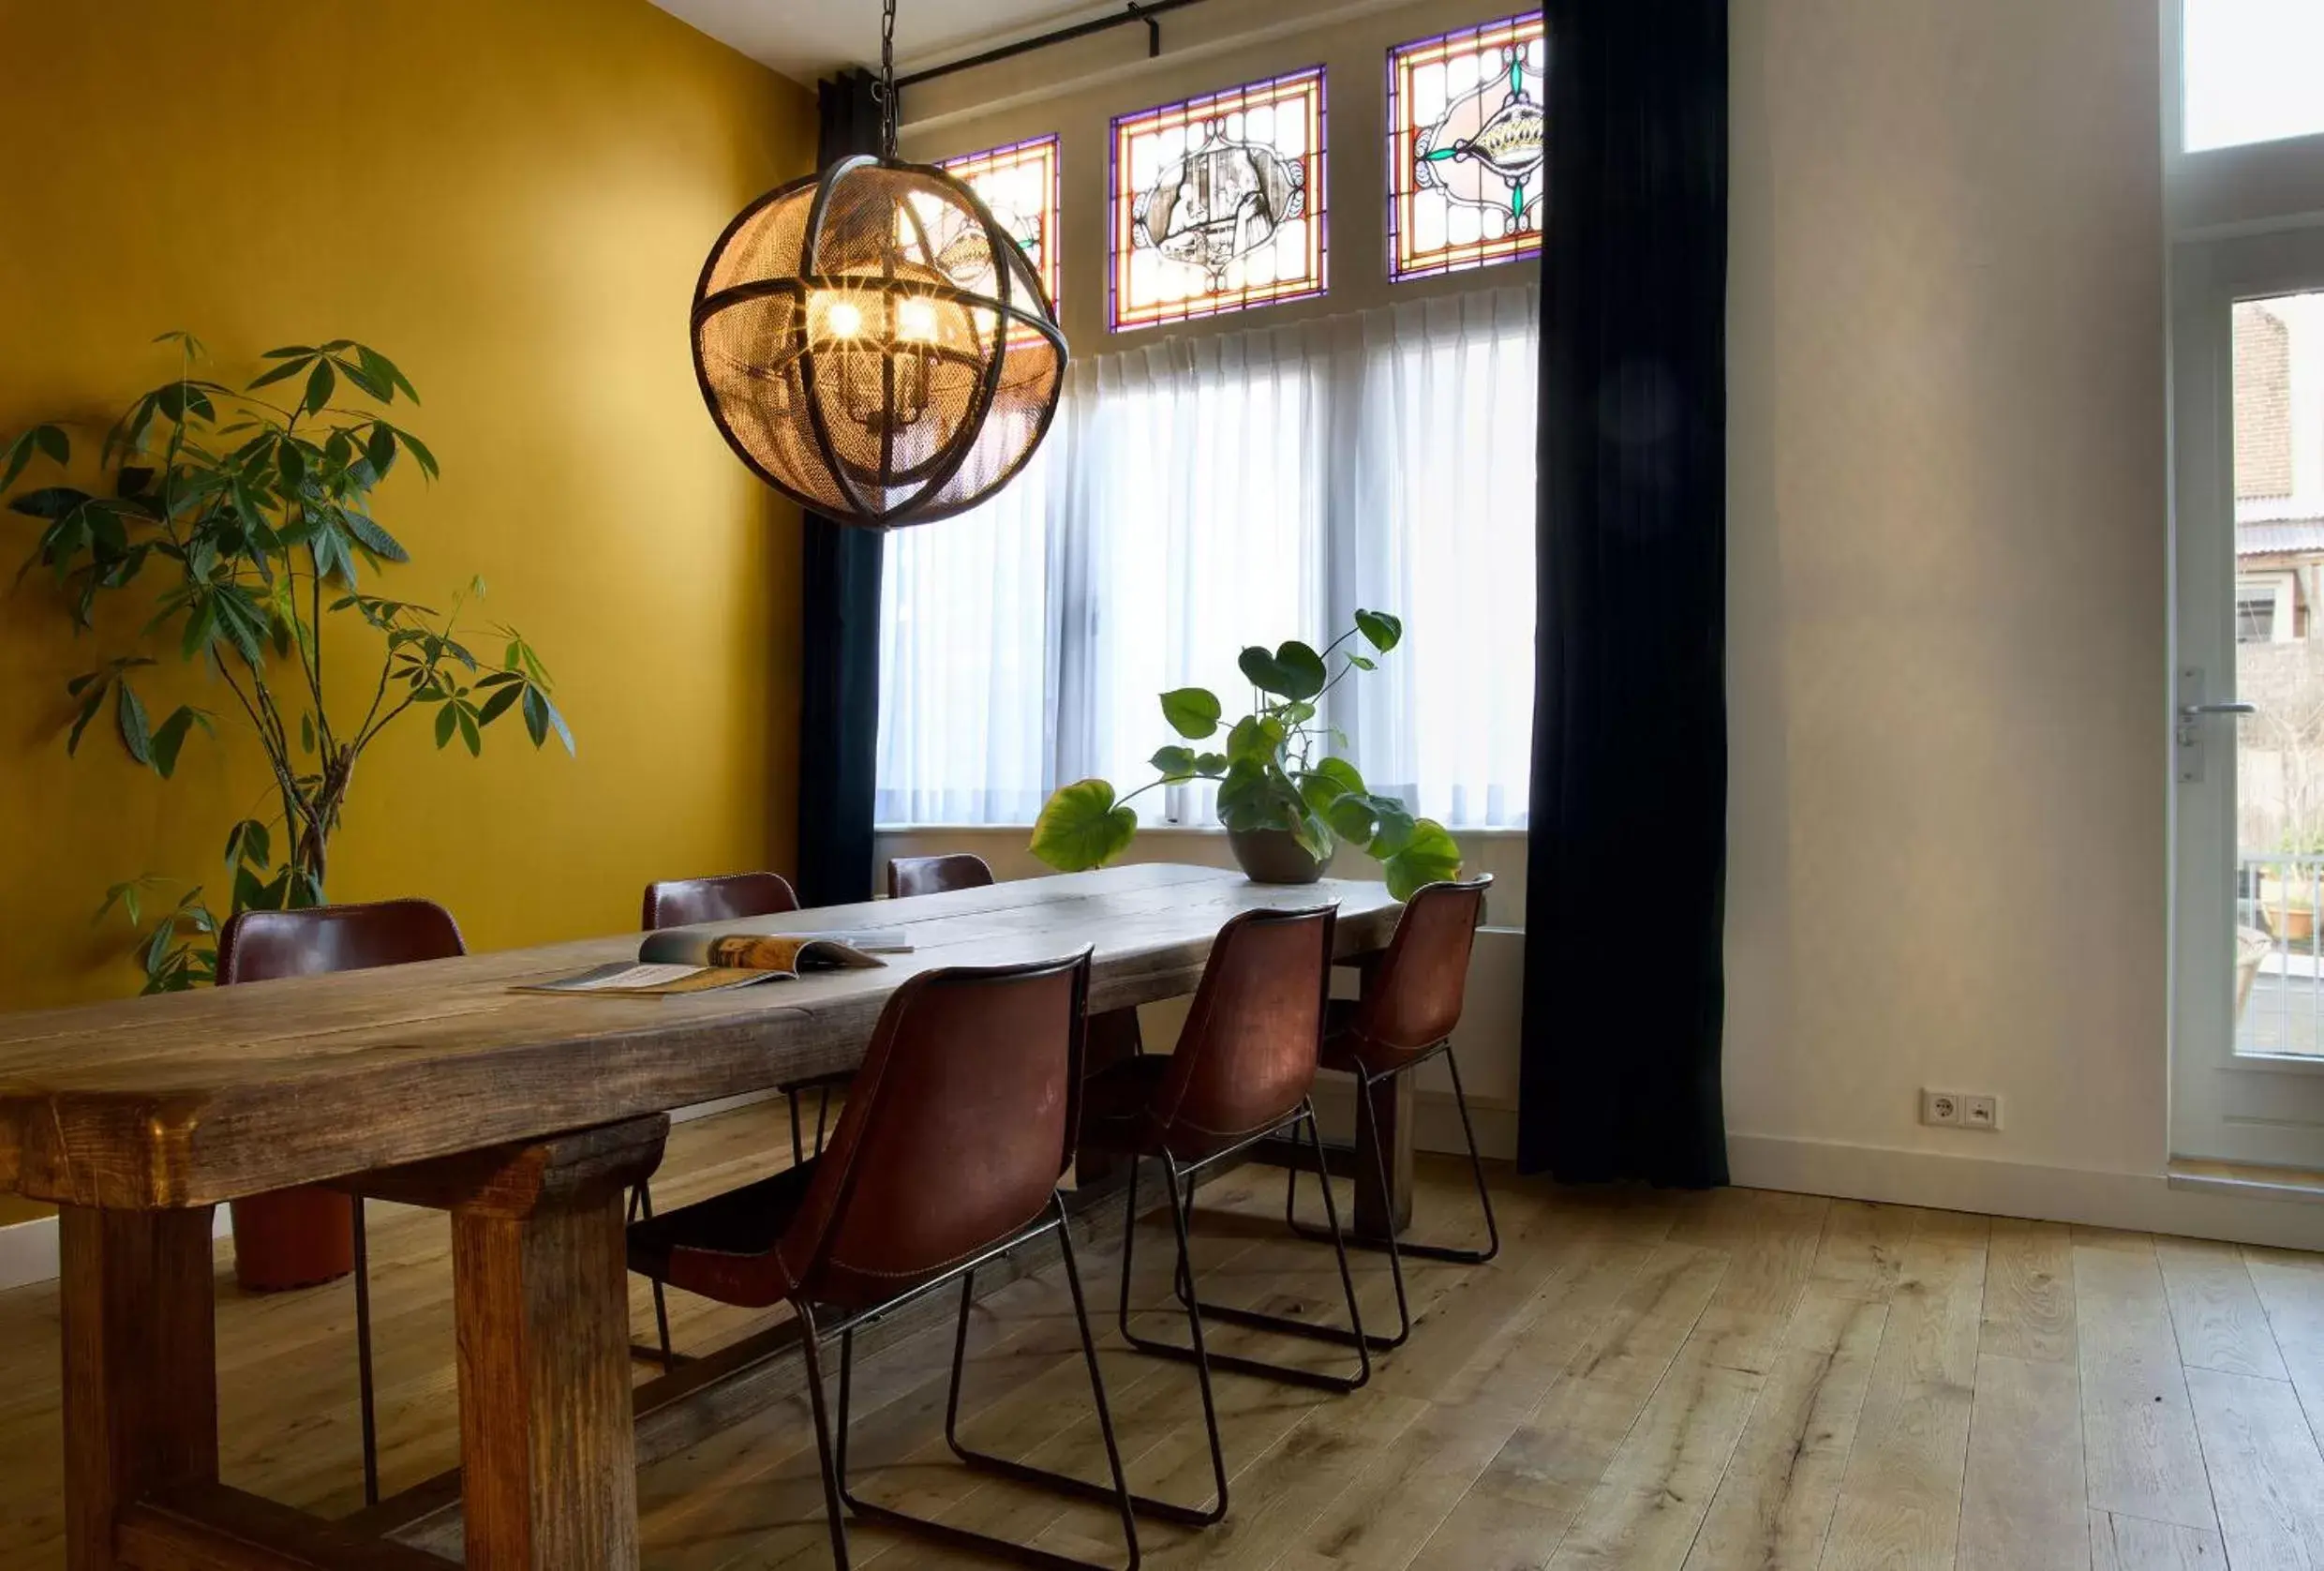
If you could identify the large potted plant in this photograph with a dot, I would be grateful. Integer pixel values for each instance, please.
(1287, 800)
(246, 522)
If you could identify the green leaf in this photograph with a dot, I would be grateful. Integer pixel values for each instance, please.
(1328, 782)
(1294, 670)
(321, 384)
(375, 539)
(50, 501)
(1175, 764)
(380, 452)
(295, 351)
(291, 460)
(500, 702)
(284, 372)
(447, 722)
(1081, 827)
(419, 452)
(90, 704)
(169, 737)
(1192, 711)
(1255, 739)
(250, 842)
(1429, 856)
(1363, 662)
(1382, 631)
(1210, 764)
(136, 733)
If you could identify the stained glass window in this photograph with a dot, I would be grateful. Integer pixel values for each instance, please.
(1465, 140)
(1018, 183)
(1218, 202)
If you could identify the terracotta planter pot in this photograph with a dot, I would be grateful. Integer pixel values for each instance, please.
(294, 1239)
(1273, 856)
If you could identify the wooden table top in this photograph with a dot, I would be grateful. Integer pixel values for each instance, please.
(194, 1098)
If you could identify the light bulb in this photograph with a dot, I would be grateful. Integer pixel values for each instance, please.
(842, 318)
(916, 321)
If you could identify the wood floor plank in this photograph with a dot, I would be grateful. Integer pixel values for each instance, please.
(2029, 1292)
(1521, 1506)
(2138, 1440)
(1645, 1512)
(2215, 1309)
(2135, 1544)
(2291, 1290)
(1726, 1380)
(2266, 1472)
(1775, 1502)
(2023, 1499)
(1900, 1502)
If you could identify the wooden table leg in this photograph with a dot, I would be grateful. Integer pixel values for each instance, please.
(1380, 1214)
(140, 1367)
(1113, 1038)
(541, 1299)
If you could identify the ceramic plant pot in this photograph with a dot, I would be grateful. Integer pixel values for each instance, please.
(1274, 857)
(294, 1239)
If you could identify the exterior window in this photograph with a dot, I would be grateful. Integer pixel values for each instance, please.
(1465, 146)
(1217, 203)
(2251, 68)
(2255, 618)
(1019, 184)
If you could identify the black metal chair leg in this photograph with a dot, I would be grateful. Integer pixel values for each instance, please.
(641, 1202)
(1352, 1334)
(1117, 1496)
(366, 1391)
(834, 1513)
(798, 1152)
(1406, 1247)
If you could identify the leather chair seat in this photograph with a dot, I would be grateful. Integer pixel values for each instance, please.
(746, 1223)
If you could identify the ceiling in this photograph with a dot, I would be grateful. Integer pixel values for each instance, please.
(805, 39)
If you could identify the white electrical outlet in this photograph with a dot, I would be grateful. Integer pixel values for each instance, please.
(1981, 1113)
(1941, 1107)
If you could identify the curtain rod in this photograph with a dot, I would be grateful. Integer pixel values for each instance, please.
(1147, 12)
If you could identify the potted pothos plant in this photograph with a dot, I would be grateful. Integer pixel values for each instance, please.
(243, 518)
(1286, 799)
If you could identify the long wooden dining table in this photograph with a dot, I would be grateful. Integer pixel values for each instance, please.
(523, 1115)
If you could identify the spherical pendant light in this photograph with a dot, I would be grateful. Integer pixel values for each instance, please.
(873, 345)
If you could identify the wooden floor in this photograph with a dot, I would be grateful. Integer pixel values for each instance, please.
(1689, 1382)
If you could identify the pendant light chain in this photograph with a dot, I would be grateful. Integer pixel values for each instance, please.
(887, 78)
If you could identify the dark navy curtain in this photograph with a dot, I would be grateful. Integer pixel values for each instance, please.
(1627, 870)
(839, 587)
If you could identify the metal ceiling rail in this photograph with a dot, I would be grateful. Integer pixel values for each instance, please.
(1149, 12)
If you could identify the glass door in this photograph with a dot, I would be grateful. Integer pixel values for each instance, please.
(2247, 753)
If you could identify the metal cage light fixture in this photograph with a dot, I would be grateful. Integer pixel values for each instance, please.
(871, 343)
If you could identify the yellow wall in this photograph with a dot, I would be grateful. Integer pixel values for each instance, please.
(512, 197)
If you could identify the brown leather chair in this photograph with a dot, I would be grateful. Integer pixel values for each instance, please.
(727, 897)
(1242, 1072)
(1411, 1002)
(948, 1156)
(911, 875)
(687, 902)
(684, 902)
(260, 946)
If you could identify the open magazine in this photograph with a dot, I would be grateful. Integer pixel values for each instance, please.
(687, 960)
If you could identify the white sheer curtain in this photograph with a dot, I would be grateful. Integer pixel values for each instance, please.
(1206, 493)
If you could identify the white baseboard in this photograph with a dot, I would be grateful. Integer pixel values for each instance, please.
(2141, 1201)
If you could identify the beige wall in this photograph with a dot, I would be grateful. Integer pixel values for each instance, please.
(1946, 591)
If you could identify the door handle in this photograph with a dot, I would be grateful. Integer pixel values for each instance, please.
(2195, 712)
